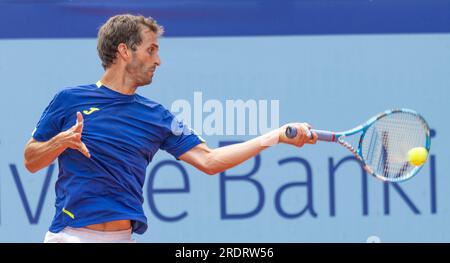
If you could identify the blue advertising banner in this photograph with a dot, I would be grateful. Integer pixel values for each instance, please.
(81, 19)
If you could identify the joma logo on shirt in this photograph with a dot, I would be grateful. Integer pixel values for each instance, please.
(91, 110)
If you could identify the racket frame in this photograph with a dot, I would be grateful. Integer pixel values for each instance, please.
(339, 137)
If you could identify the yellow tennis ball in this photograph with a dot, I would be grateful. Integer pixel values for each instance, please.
(417, 156)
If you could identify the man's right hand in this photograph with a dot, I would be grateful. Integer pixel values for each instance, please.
(301, 138)
(72, 137)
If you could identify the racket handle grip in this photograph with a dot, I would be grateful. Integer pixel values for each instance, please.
(327, 136)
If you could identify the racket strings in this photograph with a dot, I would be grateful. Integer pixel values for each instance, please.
(386, 144)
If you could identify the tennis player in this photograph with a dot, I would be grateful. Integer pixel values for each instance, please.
(105, 135)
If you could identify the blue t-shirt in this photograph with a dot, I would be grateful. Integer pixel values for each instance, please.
(122, 133)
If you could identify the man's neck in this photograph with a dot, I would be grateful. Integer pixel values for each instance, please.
(118, 81)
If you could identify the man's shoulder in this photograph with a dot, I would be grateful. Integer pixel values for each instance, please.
(79, 89)
(149, 103)
(71, 91)
(154, 106)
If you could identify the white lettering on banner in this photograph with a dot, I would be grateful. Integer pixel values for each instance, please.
(237, 121)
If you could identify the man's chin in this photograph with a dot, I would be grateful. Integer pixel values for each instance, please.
(149, 80)
(144, 83)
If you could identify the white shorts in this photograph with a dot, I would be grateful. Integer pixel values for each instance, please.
(84, 235)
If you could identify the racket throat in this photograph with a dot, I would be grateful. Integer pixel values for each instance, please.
(357, 155)
(347, 145)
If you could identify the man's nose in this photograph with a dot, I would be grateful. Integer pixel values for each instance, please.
(158, 60)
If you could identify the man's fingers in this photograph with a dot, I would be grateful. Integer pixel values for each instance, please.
(301, 142)
(301, 136)
(77, 136)
(72, 145)
(306, 127)
(81, 147)
(84, 150)
(79, 124)
(304, 135)
(79, 117)
(313, 139)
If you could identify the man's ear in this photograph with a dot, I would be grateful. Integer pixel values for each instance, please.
(123, 51)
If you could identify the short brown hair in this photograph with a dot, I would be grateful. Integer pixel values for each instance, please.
(123, 29)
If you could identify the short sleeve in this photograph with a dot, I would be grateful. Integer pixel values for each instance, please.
(180, 138)
(50, 123)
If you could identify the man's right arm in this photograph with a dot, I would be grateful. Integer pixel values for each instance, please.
(40, 154)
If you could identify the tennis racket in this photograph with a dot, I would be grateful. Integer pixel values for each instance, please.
(384, 142)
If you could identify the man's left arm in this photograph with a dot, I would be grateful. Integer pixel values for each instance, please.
(213, 161)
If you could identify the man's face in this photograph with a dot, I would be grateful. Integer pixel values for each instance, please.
(145, 59)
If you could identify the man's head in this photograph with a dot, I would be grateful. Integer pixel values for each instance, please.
(131, 41)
